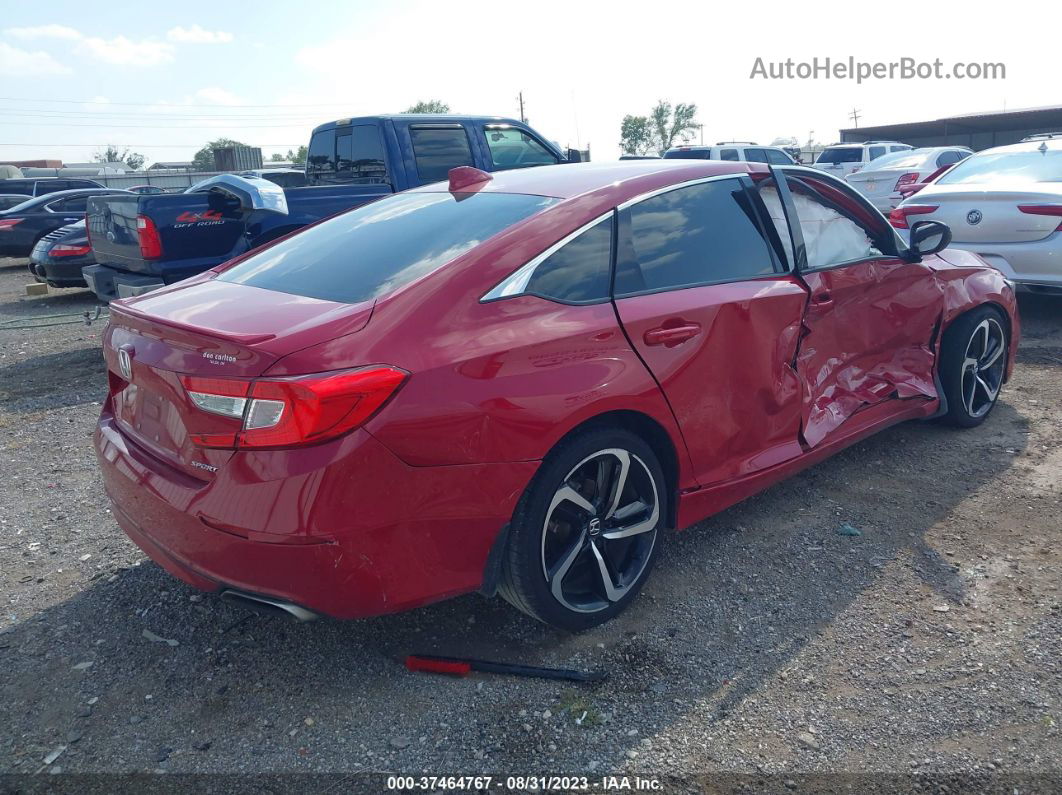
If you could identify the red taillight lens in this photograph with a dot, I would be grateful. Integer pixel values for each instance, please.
(66, 250)
(907, 179)
(898, 217)
(8, 223)
(1039, 209)
(148, 235)
(286, 412)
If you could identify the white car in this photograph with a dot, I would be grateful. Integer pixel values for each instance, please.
(732, 150)
(880, 180)
(1004, 204)
(843, 159)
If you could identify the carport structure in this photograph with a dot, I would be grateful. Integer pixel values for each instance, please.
(975, 130)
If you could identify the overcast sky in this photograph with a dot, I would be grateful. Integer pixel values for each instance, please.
(266, 73)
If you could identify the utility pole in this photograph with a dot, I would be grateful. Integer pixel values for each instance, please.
(520, 97)
(854, 116)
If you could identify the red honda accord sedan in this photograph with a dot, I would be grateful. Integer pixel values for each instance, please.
(515, 383)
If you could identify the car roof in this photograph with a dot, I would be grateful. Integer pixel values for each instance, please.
(1024, 146)
(438, 118)
(622, 179)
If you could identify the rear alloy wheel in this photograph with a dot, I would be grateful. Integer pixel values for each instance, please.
(585, 535)
(973, 363)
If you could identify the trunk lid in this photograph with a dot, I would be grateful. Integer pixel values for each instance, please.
(206, 329)
(978, 215)
(879, 184)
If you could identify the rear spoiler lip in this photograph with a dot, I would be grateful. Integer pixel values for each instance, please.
(117, 307)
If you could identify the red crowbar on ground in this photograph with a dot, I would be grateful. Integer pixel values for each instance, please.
(460, 667)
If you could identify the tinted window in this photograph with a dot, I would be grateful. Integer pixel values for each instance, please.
(512, 148)
(579, 271)
(703, 233)
(377, 248)
(320, 158)
(45, 187)
(755, 156)
(75, 205)
(841, 154)
(778, 158)
(728, 154)
(83, 183)
(875, 152)
(360, 155)
(16, 186)
(688, 154)
(1017, 167)
(437, 150)
(947, 158)
(901, 148)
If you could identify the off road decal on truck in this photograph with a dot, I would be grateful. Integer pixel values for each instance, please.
(206, 218)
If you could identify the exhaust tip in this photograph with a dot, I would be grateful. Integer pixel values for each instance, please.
(268, 606)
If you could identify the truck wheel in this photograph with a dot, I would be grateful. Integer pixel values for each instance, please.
(584, 536)
(973, 359)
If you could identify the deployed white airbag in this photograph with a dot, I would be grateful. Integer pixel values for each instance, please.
(829, 237)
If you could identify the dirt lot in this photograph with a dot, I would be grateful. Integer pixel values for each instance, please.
(765, 643)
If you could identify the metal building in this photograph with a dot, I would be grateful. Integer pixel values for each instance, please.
(975, 130)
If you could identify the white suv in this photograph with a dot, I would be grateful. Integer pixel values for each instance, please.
(732, 150)
(844, 159)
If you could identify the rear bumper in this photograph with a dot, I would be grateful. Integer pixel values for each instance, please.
(361, 534)
(58, 273)
(1038, 263)
(109, 284)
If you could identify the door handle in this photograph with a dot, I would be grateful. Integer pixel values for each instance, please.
(671, 335)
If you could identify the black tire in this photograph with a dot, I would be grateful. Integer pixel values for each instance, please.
(545, 533)
(971, 376)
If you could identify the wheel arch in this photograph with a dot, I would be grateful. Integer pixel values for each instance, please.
(644, 427)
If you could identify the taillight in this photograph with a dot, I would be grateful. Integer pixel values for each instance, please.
(285, 412)
(898, 217)
(907, 179)
(67, 250)
(148, 235)
(8, 223)
(1032, 209)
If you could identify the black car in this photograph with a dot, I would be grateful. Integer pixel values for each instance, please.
(24, 224)
(58, 256)
(29, 186)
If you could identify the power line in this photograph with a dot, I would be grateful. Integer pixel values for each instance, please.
(155, 104)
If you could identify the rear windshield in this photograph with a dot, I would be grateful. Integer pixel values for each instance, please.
(844, 154)
(1035, 166)
(377, 248)
(688, 154)
(897, 160)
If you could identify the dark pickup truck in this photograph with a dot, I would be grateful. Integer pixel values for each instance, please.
(143, 242)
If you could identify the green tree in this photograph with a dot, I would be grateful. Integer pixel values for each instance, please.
(429, 106)
(670, 124)
(276, 157)
(298, 157)
(636, 136)
(111, 154)
(204, 158)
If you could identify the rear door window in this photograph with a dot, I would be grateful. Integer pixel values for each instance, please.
(511, 147)
(728, 154)
(755, 156)
(875, 152)
(377, 248)
(438, 149)
(76, 204)
(778, 158)
(578, 272)
(689, 236)
(947, 158)
(360, 155)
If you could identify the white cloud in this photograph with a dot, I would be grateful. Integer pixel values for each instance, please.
(44, 32)
(22, 63)
(198, 35)
(121, 51)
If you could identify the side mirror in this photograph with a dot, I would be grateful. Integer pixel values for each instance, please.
(574, 156)
(929, 237)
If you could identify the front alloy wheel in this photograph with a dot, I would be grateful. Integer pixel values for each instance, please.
(973, 363)
(585, 535)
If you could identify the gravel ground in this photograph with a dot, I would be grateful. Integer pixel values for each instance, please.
(766, 642)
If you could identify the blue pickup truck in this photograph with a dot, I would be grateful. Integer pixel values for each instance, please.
(144, 242)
